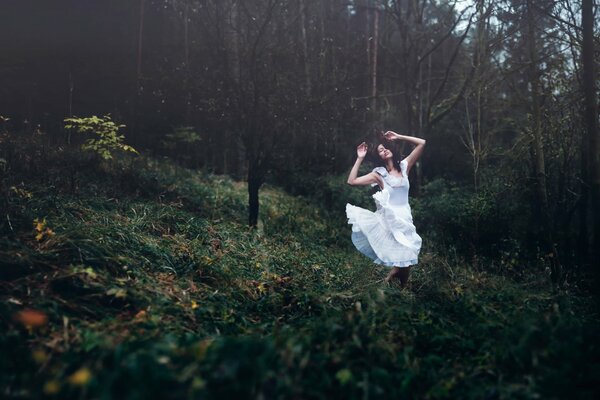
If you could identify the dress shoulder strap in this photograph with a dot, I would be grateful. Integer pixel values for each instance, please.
(381, 171)
(404, 168)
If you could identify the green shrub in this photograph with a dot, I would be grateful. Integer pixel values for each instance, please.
(105, 128)
(453, 216)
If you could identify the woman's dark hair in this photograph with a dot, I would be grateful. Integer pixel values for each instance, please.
(374, 139)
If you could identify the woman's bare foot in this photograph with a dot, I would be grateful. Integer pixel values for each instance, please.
(398, 276)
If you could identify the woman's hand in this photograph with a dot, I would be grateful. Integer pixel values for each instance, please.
(361, 150)
(390, 135)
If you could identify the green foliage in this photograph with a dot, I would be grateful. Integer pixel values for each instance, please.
(330, 192)
(185, 135)
(107, 131)
(454, 216)
(157, 289)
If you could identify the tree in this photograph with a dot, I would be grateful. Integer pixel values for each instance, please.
(530, 53)
(427, 34)
(591, 147)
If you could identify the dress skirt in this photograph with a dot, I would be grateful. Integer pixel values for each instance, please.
(387, 236)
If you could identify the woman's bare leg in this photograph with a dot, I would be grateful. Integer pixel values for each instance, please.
(398, 274)
(392, 275)
(403, 275)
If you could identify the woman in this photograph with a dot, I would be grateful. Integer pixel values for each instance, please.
(387, 235)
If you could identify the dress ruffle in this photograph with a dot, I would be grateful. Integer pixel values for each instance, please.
(387, 235)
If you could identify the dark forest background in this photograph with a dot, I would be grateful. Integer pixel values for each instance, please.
(173, 186)
(504, 92)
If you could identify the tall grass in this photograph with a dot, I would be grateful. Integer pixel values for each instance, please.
(144, 282)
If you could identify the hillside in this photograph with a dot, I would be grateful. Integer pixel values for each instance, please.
(145, 282)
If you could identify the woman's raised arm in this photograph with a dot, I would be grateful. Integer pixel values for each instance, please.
(372, 177)
(414, 155)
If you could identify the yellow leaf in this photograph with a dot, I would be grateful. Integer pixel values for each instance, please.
(117, 292)
(51, 387)
(39, 225)
(261, 288)
(194, 305)
(81, 377)
(39, 356)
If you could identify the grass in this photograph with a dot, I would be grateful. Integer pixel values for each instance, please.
(146, 283)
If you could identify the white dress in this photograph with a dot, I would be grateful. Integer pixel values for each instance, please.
(387, 235)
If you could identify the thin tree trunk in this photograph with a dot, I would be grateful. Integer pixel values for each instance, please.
(138, 82)
(71, 88)
(140, 44)
(591, 121)
(374, 46)
(305, 60)
(540, 168)
(479, 50)
(255, 180)
(235, 30)
(253, 204)
(237, 151)
(186, 45)
(367, 8)
(536, 115)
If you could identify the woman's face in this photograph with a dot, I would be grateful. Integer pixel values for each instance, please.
(384, 153)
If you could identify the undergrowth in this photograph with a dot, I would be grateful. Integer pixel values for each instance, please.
(143, 281)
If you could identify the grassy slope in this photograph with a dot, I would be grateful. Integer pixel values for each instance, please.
(162, 292)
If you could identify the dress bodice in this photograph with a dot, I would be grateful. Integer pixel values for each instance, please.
(396, 186)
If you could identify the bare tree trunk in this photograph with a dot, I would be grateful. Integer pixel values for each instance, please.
(237, 155)
(305, 60)
(590, 147)
(480, 47)
(373, 62)
(140, 44)
(186, 45)
(71, 88)
(255, 180)
(536, 115)
(236, 33)
(138, 85)
(540, 168)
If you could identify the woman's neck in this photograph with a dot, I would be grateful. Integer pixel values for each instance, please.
(389, 165)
